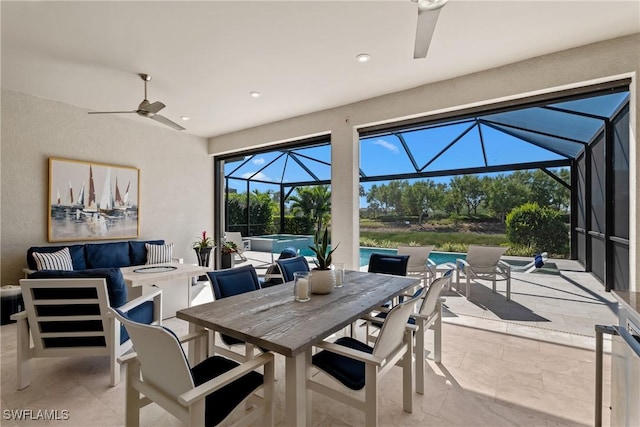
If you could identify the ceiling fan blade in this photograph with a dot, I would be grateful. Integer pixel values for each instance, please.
(155, 107)
(165, 121)
(424, 32)
(111, 112)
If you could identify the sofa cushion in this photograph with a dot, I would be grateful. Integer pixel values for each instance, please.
(157, 254)
(116, 288)
(76, 251)
(138, 252)
(60, 260)
(107, 255)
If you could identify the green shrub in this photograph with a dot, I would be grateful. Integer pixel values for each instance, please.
(541, 229)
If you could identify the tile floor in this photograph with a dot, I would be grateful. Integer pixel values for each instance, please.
(527, 362)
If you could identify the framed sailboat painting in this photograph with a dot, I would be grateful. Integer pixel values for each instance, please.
(92, 201)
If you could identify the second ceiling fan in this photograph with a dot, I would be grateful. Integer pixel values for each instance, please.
(428, 12)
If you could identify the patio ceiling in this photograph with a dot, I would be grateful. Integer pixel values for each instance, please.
(540, 136)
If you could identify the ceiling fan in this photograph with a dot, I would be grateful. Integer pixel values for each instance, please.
(428, 11)
(146, 108)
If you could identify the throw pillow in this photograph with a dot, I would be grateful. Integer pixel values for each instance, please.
(157, 254)
(60, 260)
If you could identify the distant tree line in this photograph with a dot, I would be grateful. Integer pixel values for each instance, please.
(469, 194)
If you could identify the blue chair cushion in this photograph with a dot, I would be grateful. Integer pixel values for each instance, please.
(116, 288)
(142, 313)
(76, 251)
(349, 372)
(220, 403)
(138, 252)
(107, 255)
(233, 281)
(288, 252)
(388, 264)
(289, 266)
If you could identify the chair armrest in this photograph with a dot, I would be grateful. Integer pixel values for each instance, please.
(351, 353)
(151, 296)
(203, 390)
(19, 316)
(430, 263)
(461, 263)
(194, 335)
(504, 265)
(127, 358)
(27, 272)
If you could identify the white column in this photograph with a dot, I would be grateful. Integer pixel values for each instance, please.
(345, 201)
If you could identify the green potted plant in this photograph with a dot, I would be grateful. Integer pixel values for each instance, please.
(227, 254)
(203, 248)
(323, 278)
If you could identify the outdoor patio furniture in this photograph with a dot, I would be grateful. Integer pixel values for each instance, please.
(241, 243)
(358, 366)
(538, 262)
(388, 264)
(483, 263)
(229, 282)
(66, 317)
(202, 395)
(419, 262)
(429, 315)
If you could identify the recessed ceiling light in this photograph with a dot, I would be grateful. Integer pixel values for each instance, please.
(185, 118)
(363, 57)
(255, 94)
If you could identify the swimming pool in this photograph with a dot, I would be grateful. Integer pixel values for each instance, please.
(365, 254)
(277, 242)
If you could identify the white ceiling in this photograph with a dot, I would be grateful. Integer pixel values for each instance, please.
(206, 56)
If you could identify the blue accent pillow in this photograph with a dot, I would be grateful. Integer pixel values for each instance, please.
(116, 288)
(76, 251)
(107, 255)
(138, 252)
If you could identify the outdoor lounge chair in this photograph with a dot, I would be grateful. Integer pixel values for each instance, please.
(419, 263)
(241, 244)
(483, 263)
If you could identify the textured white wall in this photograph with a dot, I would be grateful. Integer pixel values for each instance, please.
(176, 173)
(601, 61)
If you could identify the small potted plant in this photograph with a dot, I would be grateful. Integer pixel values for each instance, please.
(203, 248)
(227, 254)
(323, 278)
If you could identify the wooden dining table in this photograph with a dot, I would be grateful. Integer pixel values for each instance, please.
(271, 319)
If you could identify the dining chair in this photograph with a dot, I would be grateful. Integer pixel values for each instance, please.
(419, 263)
(226, 283)
(484, 263)
(203, 395)
(66, 317)
(429, 315)
(273, 275)
(358, 366)
(388, 264)
(288, 266)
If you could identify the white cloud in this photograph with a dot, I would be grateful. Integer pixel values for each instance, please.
(259, 176)
(388, 145)
(258, 161)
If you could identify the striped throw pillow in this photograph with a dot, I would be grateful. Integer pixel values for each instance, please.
(157, 254)
(60, 260)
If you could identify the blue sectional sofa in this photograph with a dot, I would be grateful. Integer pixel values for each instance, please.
(99, 255)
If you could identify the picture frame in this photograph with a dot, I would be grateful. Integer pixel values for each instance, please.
(92, 201)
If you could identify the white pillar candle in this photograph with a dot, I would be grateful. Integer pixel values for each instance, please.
(302, 289)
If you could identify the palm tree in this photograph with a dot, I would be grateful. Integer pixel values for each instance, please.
(312, 201)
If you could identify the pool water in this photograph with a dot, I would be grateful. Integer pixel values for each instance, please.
(365, 254)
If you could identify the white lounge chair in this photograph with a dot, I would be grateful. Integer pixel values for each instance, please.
(241, 244)
(483, 263)
(419, 263)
